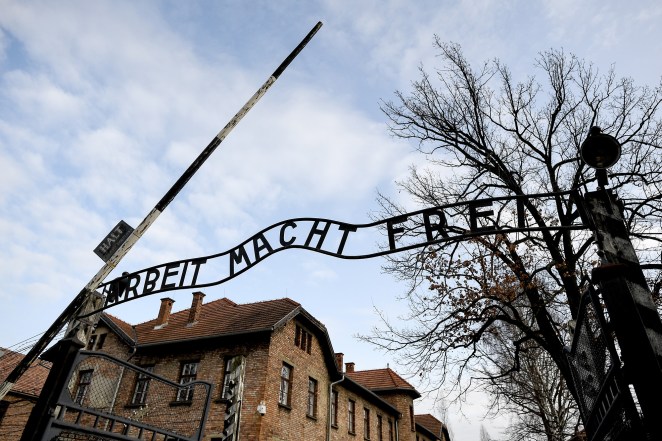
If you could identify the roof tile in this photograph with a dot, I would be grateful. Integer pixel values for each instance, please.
(380, 379)
(429, 422)
(221, 317)
(32, 380)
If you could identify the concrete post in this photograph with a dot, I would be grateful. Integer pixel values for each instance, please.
(630, 305)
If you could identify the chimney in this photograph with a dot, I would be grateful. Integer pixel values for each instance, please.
(349, 368)
(164, 312)
(196, 307)
(339, 356)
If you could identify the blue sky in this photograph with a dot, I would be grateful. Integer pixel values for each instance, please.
(104, 104)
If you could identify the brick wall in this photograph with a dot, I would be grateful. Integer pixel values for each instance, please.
(167, 361)
(211, 354)
(292, 423)
(341, 432)
(403, 402)
(112, 344)
(15, 416)
(264, 354)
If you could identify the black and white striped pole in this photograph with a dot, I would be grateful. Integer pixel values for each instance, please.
(633, 314)
(120, 240)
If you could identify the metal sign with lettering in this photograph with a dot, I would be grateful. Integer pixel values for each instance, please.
(452, 222)
(113, 240)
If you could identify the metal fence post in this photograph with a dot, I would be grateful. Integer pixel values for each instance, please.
(64, 355)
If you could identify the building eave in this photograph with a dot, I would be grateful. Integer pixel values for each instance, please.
(413, 392)
(24, 395)
(128, 339)
(350, 384)
(427, 432)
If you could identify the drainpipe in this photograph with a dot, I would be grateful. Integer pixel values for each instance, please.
(397, 431)
(328, 419)
(117, 387)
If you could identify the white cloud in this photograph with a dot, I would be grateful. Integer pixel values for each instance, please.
(317, 272)
(43, 100)
(3, 46)
(12, 178)
(105, 104)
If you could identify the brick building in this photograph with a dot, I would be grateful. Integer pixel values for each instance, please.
(16, 406)
(294, 387)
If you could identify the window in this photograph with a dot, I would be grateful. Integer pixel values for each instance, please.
(390, 430)
(334, 408)
(285, 385)
(366, 423)
(303, 339)
(187, 374)
(96, 342)
(312, 398)
(101, 341)
(226, 377)
(142, 384)
(233, 375)
(84, 380)
(351, 414)
(380, 436)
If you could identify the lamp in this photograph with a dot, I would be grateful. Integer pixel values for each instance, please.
(600, 150)
(262, 408)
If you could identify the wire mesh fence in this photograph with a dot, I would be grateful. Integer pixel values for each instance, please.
(107, 398)
(591, 360)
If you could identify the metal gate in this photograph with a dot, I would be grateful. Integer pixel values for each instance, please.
(605, 401)
(109, 399)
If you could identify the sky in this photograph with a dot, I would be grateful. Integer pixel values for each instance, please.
(104, 104)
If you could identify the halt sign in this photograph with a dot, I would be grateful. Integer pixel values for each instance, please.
(113, 240)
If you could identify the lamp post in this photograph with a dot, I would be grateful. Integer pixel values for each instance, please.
(632, 312)
(600, 151)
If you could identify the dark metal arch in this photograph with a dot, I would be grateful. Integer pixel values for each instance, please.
(185, 273)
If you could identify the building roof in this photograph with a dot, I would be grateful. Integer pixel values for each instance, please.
(383, 380)
(429, 422)
(218, 318)
(369, 395)
(31, 382)
(123, 329)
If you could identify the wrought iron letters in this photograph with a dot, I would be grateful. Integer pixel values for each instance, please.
(452, 222)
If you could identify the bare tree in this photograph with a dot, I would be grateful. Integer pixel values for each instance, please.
(443, 414)
(486, 135)
(484, 434)
(535, 395)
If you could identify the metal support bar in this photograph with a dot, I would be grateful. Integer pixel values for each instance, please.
(71, 311)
